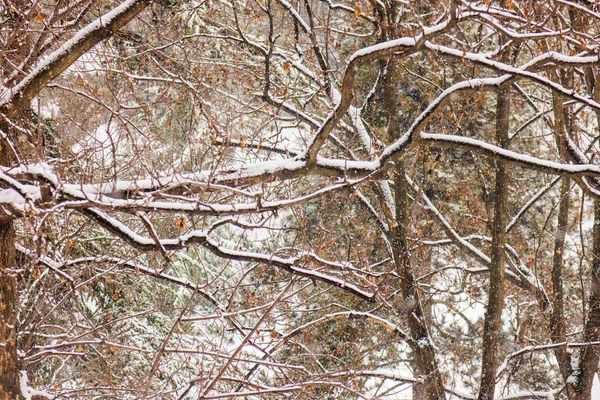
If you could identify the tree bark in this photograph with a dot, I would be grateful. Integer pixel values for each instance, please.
(493, 317)
(557, 319)
(429, 384)
(11, 106)
(590, 354)
(9, 362)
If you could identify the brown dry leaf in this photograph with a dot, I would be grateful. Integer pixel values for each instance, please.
(181, 223)
(39, 17)
(357, 9)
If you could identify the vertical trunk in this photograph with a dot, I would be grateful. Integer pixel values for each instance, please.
(493, 317)
(557, 320)
(429, 385)
(9, 365)
(589, 356)
(9, 360)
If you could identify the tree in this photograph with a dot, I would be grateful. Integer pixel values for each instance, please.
(220, 199)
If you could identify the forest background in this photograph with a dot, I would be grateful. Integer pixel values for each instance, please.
(313, 199)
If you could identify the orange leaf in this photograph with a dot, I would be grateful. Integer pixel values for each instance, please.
(357, 9)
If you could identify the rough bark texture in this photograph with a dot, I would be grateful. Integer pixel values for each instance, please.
(429, 382)
(9, 360)
(9, 363)
(557, 320)
(493, 317)
(429, 385)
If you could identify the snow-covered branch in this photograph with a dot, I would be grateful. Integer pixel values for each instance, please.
(54, 64)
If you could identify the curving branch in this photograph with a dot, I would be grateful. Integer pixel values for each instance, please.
(18, 96)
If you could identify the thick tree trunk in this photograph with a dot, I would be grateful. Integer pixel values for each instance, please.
(493, 316)
(9, 362)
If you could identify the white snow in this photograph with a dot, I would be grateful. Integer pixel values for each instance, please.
(27, 391)
(595, 388)
(524, 159)
(522, 71)
(11, 196)
(100, 22)
(385, 46)
(392, 45)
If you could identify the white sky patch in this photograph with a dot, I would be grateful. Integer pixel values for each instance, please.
(90, 61)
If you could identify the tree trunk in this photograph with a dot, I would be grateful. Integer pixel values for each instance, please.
(9, 362)
(557, 320)
(429, 384)
(589, 357)
(493, 316)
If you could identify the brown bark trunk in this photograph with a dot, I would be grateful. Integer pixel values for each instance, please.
(429, 385)
(590, 354)
(557, 320)
(493, 316)
(9, 362)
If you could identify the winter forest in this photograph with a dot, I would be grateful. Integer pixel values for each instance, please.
(299, 199)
